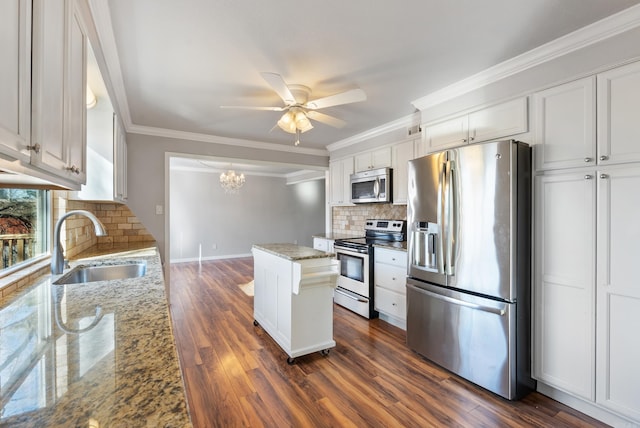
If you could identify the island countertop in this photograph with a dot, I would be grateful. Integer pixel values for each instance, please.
(292, 251)
(59, 368)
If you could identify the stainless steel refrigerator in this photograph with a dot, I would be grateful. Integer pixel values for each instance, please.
(469, 264)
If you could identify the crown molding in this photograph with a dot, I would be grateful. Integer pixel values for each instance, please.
(608, 27)
(205, 138)
(403, 122)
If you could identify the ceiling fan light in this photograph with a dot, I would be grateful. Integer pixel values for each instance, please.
(287, 123)
(304, 124)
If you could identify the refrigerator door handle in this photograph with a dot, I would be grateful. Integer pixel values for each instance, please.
(440, 217)
(450, 216)
(448, 299)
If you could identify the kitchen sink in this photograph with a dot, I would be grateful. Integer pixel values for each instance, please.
(82, 274)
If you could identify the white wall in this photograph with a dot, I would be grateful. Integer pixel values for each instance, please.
(266, 210)
(146, 171)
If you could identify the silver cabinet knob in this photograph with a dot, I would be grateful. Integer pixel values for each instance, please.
(35, 148)
(604, 158)
(74, 169)
(588, 177)
(604, 176)
(588, 159)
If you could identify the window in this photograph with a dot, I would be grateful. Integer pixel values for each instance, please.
(24, 226)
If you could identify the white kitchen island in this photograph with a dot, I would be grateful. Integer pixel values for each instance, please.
(293, 297)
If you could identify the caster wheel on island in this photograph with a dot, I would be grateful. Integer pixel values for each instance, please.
(255, 323)
(291, 361)
(325, 352)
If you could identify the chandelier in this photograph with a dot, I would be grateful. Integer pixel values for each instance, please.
(231, 182)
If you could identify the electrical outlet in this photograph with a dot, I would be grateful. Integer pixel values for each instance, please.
(214, 246)
(159, 210)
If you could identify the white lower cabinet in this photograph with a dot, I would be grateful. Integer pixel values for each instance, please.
(323, 244)
(564, 339)
(390, 273)
(587, 299)
(293, 299)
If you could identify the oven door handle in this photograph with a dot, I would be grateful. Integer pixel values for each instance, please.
(351, 296)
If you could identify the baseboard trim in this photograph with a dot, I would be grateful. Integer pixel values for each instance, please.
(586, 407)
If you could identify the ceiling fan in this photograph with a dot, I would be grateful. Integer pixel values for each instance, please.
(298, 109)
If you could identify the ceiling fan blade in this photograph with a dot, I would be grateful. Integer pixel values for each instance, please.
(278, 84)
(255, 108)
(352, 96)
(326, 119)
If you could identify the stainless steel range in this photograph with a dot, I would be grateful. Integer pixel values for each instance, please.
(355, 283)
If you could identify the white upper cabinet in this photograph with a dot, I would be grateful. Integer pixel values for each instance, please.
(448, 133)
(618, 293)
(15, 79)
(339, 174)
(43, 100)
(48, 84)
(76, 96)
(565, 124)
(380, 158)
(498, 121)
(618, 115)
(58, 90)
(567, 131)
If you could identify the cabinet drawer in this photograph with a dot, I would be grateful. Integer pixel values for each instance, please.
(391, 303)
(391, 277)
(391, 257)
(321, 244)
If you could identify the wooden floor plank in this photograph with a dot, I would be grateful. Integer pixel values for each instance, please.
(237, 375)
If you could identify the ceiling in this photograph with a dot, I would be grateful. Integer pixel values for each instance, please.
(173, 64)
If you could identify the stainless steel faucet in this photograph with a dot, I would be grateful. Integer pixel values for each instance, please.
(57, 258)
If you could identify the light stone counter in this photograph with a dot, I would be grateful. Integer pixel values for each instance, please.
(57, 370)
(292, 252)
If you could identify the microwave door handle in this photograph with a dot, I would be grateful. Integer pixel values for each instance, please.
(376, 188)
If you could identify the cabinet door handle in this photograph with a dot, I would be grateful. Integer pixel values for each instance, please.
(35, 148)
(588, 177)
(588, 159)
(464, 140)
(604, 176)
(74, 169)
(604, 158)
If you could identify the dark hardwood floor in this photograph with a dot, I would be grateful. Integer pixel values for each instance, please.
(236, 375)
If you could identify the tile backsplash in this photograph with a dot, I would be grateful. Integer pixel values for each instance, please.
(123, 227)
(350, 219)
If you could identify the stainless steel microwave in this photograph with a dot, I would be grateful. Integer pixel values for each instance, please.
(373, 185)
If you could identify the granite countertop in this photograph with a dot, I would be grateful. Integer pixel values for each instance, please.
(59, 367)
(292, 252)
